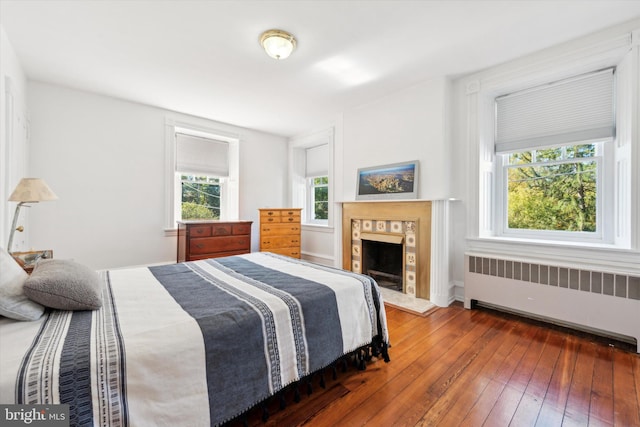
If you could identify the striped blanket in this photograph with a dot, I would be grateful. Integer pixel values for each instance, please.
(194, 343)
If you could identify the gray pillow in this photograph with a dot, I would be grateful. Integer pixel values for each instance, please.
(13, 302)
(64, 284)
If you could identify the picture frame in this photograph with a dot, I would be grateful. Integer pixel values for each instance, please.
(388, 182)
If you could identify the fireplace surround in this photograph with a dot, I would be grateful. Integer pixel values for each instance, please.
(427, 222)
(404, 222)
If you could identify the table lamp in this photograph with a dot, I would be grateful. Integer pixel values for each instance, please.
(28, 190)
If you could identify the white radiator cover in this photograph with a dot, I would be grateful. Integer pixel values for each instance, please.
(598, 301)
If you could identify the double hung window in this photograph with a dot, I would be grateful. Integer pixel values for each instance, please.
(317, 178)
(202, 173)
(553, 160)
(202, 168)
(310, 158)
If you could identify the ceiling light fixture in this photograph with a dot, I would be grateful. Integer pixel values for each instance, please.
(277, 43)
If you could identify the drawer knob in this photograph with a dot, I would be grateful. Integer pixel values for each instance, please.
(199, 246)
(270, 219)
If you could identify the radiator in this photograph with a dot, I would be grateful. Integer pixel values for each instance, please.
(596, 301)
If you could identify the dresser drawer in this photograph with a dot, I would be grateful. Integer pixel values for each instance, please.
(269, 219)
(276, 217)
(269, 213)
(197, 257)
(207, 245)
(270, 242)
(290, 213)
(279, 229)
(290, 218)
(199, 230)
(241, 229)
(292, 252)
(221, 229)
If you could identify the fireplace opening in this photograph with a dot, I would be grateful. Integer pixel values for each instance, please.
(383, 261)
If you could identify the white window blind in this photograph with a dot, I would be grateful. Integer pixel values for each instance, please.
(201, 156)
(568, 111)
(317, 162)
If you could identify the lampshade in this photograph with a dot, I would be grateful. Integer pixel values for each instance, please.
(32, 190)
(277, 43)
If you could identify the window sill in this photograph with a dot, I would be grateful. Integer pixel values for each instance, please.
(318, 228)
(550, 243)
(559, 253)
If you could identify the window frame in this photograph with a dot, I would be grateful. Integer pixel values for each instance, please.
(479, 92)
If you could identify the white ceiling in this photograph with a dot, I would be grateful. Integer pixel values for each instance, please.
(203, 57)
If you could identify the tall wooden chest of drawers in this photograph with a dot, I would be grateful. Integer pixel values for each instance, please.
(280, 231)
(212, 239)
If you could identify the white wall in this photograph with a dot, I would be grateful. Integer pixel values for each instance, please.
(408, 125)
(14, 147)
(105, 160)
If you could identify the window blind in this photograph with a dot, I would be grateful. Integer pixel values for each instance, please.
(564, 112)
(317, 162)
(201, 156)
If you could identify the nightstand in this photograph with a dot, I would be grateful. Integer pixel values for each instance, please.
(28, 260)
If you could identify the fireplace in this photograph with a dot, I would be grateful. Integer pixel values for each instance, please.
(419, 227)
(383, 262)
(376, 236)
(398, 234)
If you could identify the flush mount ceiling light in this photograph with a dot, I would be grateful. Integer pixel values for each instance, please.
(277, 43)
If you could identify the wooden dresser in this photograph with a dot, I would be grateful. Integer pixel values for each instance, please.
(212, 239)
(280, 231)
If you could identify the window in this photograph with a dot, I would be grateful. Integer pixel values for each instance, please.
(200, 196)
(202, 165)
(202, 176)
(311, 186)
(318, 199)
(316, 172)
(553, 189)
(553, 150)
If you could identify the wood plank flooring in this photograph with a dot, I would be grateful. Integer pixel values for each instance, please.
(458, 367)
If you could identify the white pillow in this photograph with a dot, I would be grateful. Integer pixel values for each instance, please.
(13, 302)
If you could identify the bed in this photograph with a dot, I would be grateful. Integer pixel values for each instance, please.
(195, 343)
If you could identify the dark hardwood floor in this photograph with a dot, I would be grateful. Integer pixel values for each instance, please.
(458, 367)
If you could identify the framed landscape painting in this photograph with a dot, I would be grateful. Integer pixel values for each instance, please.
(394, 181)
